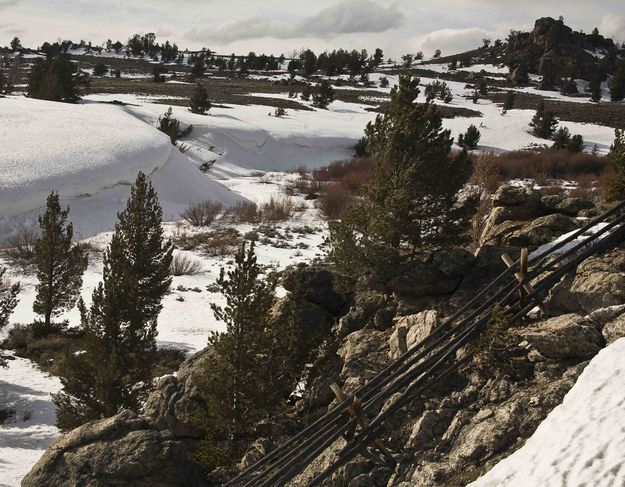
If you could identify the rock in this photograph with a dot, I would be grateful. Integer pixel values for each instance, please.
(495, 234)
(434, 275)
(312, 319)
(564, 337)
(599, 282)
(397, 343)
(125, 450)
(418, 326)
(614, 330)
(363, 311)
(541, 231)
(518, 196)
(318, 285)
(383, 318)
(566, 205)
(255, 452)
(364, 353)
(175, 402)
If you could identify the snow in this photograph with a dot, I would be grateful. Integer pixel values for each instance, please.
(581, 442)
(474, 68)
(565, 248)
(90, 154)
(24, 437)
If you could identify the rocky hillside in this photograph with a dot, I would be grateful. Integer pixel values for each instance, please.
(450, 436)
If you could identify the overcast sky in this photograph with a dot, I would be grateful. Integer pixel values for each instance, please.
(281, 26)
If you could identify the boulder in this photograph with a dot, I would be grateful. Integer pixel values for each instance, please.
(364, 353)
(521, 198)
(598, 282)
(418, 326)
(564, 337)
(541, 231)
(125, 450)
(566, 205)
(615, 329)
(363, 312)
(176, 401)
(318, 285)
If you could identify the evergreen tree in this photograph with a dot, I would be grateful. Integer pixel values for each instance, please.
(378, 57)
(171, 126)
(508, 103)
(616, 159)
(253, 366)
(576, 144)
(595, 88)
(543, 122)
(561, 139)
(309, 62)
(115, 370)
(8, 302)
(617, 83)
(413, 203)
(470, 139)
(199, 102)
(56, 79)
(199, 68)
(16, 44)
(158, 70)
(323, 95)
(407, 60)
(60, 264)
(100, 69)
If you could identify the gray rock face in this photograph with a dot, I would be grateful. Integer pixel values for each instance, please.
(598, 282)
(566, 205)
(564, 337)
(125, 450)
(364, 352)
(523, 234)
(615, 329)
(175, 401)
(517, 196)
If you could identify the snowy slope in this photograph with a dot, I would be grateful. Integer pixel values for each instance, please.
(90, 154)
(24, 438)
(581, 443)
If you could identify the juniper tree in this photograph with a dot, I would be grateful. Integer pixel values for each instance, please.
(562, 138)
(617, 83)
(199, 102)
(60, 263)
(413, 203)
(543, 122)
(616, 159)
(470, 138)
(595, 88)
(251, 366)
(114, 372)
(56, 79)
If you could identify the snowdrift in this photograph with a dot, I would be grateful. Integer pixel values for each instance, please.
(582, 441)
(90, 154)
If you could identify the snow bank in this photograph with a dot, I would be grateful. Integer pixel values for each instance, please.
(90, 154)
(24, 437)
(581, 442)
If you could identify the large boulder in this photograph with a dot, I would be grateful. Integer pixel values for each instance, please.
(125, 450)
(318, 286)
(521, 200)
(364, 354)
(543, 230)
(176, 402)
(615, 329)
(567, 205)
(564, 337)
(599, 282)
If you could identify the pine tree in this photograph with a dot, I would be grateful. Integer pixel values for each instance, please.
(413, 204)
(576, 144)
(16, 44)
(561, 139)
(60, 264)
(171, 126)
(253, 364)
(544, 122)
(199, 68)
(617, 83)
(595, 88)
(120, 332)
(470, 139)
(8, 302)
(56, 79)
(199, 102)
(323, 95)
(508, 103)
(616, 159)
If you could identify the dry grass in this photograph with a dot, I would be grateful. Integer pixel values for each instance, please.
(277, 209)
(202, 214)
(334, 201)
(183, 265)
(243, 212)
(486, 172)
(549, 164)
(354, 171)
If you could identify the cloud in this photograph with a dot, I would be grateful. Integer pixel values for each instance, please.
(613, 25)
(7, 3)
(347, 17)
(451, 41)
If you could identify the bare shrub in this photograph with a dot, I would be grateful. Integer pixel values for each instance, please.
(334, 201)
(277, 209)
(605, 182)
(486, 172)
(183, 265)
(202, 214)
(20, 248)
(338, 170)
(556, 164)
(222, 242)
(244, 212)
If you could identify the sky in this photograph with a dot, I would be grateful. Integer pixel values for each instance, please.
(284, 26)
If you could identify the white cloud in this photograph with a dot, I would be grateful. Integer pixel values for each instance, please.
(450, 41)
(347, 17)
(613, 25)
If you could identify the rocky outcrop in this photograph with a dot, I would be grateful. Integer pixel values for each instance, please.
(598, 282)
(124, 450)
